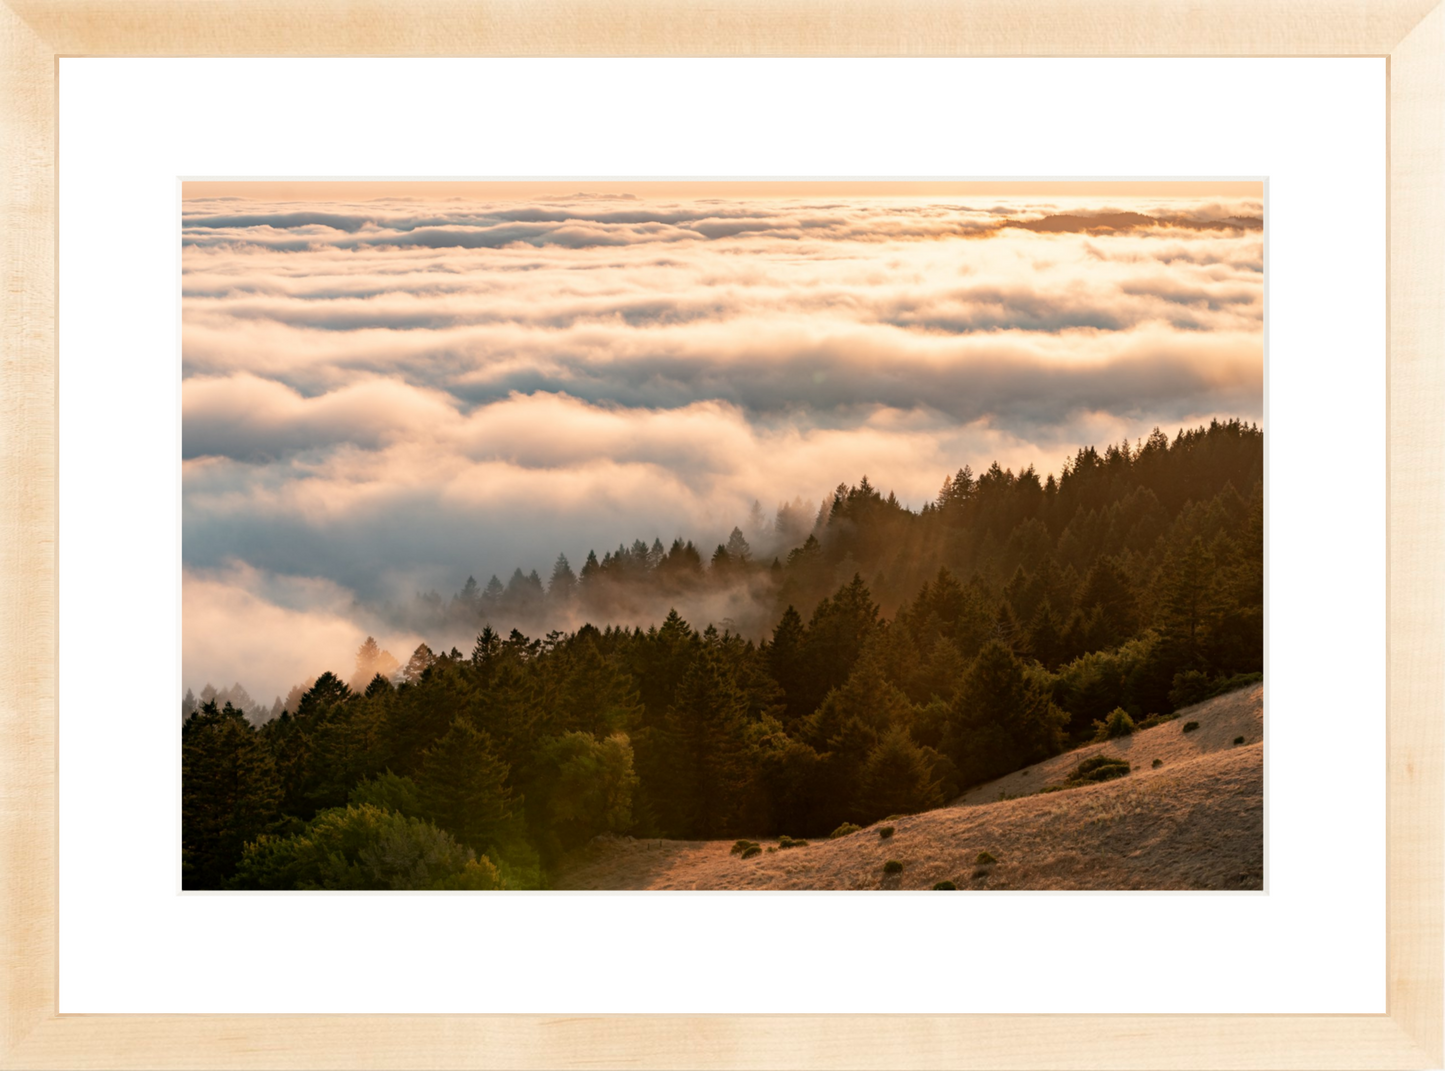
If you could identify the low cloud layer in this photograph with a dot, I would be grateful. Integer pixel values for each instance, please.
(388, 396)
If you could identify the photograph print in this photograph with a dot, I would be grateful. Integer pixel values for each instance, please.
(714, 535)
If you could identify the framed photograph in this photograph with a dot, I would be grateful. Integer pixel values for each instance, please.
(518, 453)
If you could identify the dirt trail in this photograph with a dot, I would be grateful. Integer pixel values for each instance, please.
(1195, 821)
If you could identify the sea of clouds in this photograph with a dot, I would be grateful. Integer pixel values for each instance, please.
(385, 397)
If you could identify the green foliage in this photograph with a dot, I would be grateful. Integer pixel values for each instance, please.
(843, 830)
(893, 866)
(1117, 724)
(789, 842)
(463, 787)
(580, 787)
(1027, 611)
(364, 847)
(1004, 717)
(897, 778)
(1192, 686)
(741, 846)
(751, 851)
(698, 756)
(1098, 768)
(1190, 726)
(389, 792)
(985, 859)
(230, 793)
(885, 832)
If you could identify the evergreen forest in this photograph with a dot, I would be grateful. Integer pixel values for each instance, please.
(888, 659)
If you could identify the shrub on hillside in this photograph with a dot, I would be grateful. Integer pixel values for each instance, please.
(944, 886)
(893, 866)
(1158, 763)
(843, 830)
(789, 842)
(1190, 726)
(752, 850)
(741, 846)
(885, 832)
(985, 859)
(1117, 724)
(1091, 771)
(1239, 739)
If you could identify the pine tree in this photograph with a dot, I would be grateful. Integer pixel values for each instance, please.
(785, 662)
(371, 660)
(897, 778)
(230, 794)
(1045, 636)
(492, 596)
(703, 768)
(463, 785)
(737, 548)
(1107, 588)
(1188, 603)
(420, 661)
(1002, 718)
(471, 595)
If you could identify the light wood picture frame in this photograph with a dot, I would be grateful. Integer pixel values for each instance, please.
(35, 33)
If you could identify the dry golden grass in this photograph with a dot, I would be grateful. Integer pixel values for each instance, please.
(1193, 822)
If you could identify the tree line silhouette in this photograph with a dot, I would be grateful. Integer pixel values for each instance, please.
(996, 626)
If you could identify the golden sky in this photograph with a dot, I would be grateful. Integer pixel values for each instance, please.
(517, 189)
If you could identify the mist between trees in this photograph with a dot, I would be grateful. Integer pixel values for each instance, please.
(887, 661)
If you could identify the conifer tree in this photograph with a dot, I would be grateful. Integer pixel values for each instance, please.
(230, 794)
(897, 778)
(703, 767)
(463, 785)
(420, 661)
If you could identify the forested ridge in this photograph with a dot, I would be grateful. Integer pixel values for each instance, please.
(908, 655)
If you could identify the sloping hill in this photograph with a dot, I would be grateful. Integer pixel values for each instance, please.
(1195, 821)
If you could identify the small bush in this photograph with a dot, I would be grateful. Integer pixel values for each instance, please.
(752, 850)
(1098, 768)
(741, 846)
(893, 866)
(843, 830)
(1190, 726)
(985, 859)
(1158, 763)
(1239, 739)
(885, 832)
(1117, 724)
(789, 842)
(944, 886)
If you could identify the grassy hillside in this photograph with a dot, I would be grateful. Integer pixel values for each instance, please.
(1193, 821)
